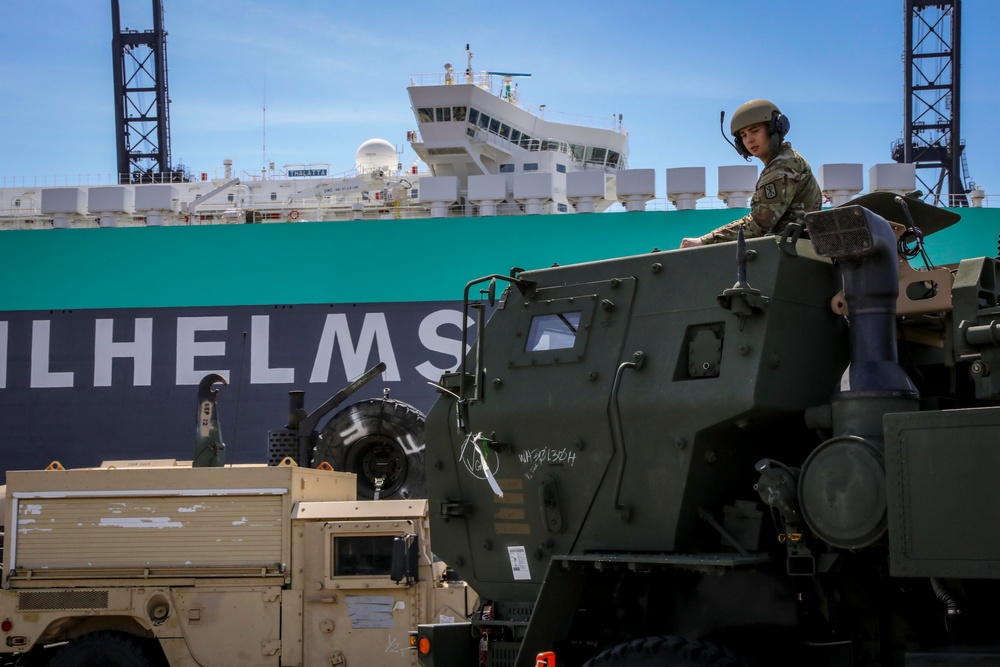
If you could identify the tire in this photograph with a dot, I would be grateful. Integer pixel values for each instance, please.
(667, 651)
(104, 649)
(373, 438)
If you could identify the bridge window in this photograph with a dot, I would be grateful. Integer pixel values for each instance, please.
(506, 168)
(530, 166)
(561, 168)
(425, 115)
(443, 114)
(558, 146)
(596, 155)
(458, 113)
(473, 116)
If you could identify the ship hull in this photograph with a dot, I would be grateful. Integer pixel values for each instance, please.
(86, 386)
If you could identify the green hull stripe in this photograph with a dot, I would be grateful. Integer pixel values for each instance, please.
(349, 262)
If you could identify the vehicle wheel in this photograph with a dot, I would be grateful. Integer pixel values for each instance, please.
(36, 657)
(667, 651)
(103, 649)
(377, 438)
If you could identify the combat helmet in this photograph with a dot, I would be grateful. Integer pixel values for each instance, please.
(759, 111)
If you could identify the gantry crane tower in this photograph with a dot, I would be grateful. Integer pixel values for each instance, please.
(931, 137)
(142, 121)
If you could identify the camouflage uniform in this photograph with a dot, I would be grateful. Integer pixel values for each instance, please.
(786, 191)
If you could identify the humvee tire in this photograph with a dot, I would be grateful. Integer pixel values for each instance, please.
(104, 649)
(668, 651)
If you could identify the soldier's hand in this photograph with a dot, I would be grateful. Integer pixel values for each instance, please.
(691, 242)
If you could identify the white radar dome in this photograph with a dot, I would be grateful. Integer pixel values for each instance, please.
(376, 154)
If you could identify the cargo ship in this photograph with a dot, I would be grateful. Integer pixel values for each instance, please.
(117, 300)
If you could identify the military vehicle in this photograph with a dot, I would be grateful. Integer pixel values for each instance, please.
(643, 461)
(150, 563)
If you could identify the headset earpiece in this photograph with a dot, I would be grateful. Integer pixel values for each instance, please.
(779, 124)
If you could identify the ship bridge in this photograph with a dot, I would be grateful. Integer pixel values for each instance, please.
(468, 129)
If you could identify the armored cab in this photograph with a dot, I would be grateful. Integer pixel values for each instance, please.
(688, 450)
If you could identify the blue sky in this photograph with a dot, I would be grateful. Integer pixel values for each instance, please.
(331, 75)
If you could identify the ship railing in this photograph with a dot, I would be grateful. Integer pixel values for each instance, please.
(478, 134)
(613, 123)
(26, 214)
(63, 180)
(956, 202)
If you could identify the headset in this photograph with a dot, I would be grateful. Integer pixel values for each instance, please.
(777, 128)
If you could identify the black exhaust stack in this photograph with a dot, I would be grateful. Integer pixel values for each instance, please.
(864, 246)
(842, 484)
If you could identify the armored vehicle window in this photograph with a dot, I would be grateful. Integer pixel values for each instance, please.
(553, 332)
(425, 115)
(362, 555)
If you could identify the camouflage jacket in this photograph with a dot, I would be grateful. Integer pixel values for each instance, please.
(786, 191)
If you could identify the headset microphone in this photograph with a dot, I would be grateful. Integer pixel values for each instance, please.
(744, 152)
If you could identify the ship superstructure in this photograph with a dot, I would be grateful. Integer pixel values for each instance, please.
(484, 153)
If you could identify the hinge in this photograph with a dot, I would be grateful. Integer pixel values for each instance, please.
(453, 509)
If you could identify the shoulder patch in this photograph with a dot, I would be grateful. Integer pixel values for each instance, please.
(770, 192)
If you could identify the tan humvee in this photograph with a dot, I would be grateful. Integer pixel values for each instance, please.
(140, 562)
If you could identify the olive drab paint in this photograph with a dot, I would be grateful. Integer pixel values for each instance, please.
(779, 450)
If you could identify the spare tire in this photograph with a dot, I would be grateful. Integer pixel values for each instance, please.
(377, 438)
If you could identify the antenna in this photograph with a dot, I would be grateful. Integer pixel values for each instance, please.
(263, 114)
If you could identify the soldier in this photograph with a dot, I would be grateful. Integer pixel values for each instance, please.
(786, 189)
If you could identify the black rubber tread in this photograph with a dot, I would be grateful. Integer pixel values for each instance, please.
(385, 431)
(105, 649)
(666, 651)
